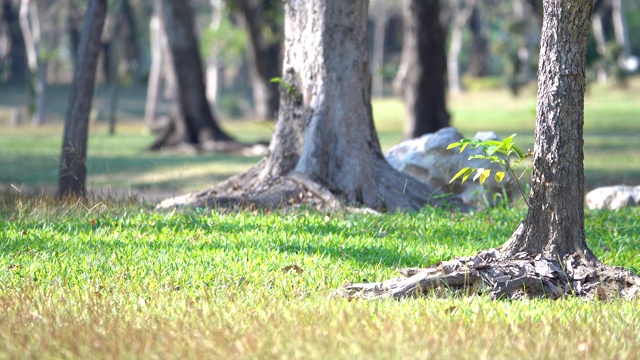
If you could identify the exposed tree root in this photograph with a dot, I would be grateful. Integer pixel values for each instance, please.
(240, 192)
(514, 277)
(250, 190)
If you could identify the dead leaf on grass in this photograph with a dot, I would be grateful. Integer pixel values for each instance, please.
(295, 268)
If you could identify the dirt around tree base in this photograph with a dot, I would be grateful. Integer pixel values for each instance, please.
(520, 276)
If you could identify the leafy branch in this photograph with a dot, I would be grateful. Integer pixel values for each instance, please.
(494, 151)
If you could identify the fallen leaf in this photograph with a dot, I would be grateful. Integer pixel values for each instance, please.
(295, 268)
(451, 310)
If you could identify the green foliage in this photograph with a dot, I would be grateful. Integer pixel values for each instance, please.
(494, 151)
(227, 42)
(80, 278)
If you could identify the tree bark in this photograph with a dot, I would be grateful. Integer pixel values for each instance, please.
(196, 124)
(263, 54)
(73, 171)
(18, 54)
(554, 225)
(421, 77)
(325, 146)
(153, 85)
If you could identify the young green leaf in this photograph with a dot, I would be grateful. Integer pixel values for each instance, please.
(465, 172)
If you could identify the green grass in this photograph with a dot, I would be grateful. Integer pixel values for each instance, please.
(116, 279)
(112, 279)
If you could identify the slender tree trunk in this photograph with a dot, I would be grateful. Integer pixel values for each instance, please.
(18, 54)
(153, 86)
(30, 25)
(196, 124)
(479, 56)
(73, 171)
(423, 67)
(460, 14)
(114, 63)
(554, 225)
(128, 35)
(264, 56)
(601, 44)
(214, 65)
(377, 58)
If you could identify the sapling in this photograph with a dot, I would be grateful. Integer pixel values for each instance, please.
(494, 151)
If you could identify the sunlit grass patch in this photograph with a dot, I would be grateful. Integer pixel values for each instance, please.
(111, 279)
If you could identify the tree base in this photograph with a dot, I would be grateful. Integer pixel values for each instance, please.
(519, 276)
(242, 192)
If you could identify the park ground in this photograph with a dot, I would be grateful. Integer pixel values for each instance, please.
(112, 277)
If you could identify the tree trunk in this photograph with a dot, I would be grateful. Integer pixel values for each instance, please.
(377, 58)
(30, 25)
(547, 255)
(460, 13)
(73, 171)
(263, 54)
(214, 65)
(325, 146)
(153, 85)
(423, 67)
(554, 225)
(114, 63)
(196, 124)
(479, 56)
(128, 34)
(18, 52)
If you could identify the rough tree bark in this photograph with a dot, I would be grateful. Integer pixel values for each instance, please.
(325, 148)
(196, 124)
(421, 78)
(73, 170)
(547, 255)
(263, 50)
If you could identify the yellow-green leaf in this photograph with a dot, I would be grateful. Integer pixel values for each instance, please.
(499, 176)
(464, 172)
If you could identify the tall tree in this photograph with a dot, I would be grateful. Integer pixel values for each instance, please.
(421, 78)
(18, 53)
(30, 25)
(547, 255)
(325, 147)
(196, 123)
(261, 19)
(73, 169)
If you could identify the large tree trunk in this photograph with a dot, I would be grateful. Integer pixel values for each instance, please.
(325, 146)
(263, 53)
(554, 225)
(421, 77)
(547, 254)
(18, 52)
(73, 171)
(196, 124)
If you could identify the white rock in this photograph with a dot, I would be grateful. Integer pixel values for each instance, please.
(427, 159)
(613, 197)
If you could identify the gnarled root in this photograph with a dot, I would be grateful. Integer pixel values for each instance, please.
(515, 277)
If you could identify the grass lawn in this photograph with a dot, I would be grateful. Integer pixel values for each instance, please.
(107, 279)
